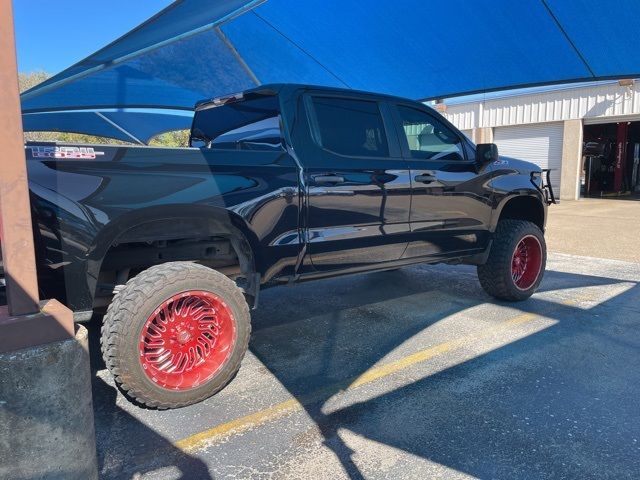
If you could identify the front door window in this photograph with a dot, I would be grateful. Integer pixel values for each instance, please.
(428, 138)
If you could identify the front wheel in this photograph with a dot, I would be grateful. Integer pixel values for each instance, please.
(175, 334)
(516, 263)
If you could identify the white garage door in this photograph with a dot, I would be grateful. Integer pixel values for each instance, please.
(540, 144)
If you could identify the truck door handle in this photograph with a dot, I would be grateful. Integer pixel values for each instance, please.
(425, 178)
(328, 179)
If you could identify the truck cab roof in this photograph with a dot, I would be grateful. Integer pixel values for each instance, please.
(278, 88)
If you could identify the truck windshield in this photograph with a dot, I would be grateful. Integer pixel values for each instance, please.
(251, 124)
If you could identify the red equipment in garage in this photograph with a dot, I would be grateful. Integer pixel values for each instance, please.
(611, 158)
(621, 157)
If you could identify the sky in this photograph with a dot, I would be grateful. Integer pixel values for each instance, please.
(52, 35)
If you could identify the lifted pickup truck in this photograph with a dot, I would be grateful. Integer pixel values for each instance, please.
(283, 183)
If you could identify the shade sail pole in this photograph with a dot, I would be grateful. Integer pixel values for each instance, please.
(118, 127)
(15, 223)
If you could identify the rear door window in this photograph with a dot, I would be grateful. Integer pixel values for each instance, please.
(350, 127)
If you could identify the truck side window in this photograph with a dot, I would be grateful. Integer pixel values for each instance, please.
(350, 127)
(250, 124)
(428, 138)
(260, 135)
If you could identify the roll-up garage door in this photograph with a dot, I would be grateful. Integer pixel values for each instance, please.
(540, 144)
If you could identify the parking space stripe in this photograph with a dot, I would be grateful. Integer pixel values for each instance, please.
(202, 439)
(194, 442)
(382, 371)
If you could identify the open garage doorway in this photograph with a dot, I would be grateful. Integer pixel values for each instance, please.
(611, 160)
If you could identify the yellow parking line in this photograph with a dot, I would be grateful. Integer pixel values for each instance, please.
(194, 442)
(382, 371)
(202, 439)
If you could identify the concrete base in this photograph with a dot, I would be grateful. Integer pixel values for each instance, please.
(483, 135)
(571, 160)
(53, 323)
(46, 412)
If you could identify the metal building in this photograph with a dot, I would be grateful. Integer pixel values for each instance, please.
(588, 133)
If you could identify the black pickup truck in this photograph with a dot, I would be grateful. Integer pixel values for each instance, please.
(283, 183)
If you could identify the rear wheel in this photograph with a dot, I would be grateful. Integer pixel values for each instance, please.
(175, 334)
(516, 263)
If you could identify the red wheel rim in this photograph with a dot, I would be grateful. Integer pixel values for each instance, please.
(526, 262)
(187, 340)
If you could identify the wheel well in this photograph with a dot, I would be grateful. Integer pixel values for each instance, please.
(211, 243)
(524, 208)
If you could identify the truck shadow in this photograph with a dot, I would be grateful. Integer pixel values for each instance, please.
(126, 446)
(488, 417)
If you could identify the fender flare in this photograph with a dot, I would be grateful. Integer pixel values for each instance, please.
(531, 194)
(131, 225)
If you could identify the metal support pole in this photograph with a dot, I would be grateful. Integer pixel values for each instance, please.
(25, 321)
(44, 365)
(15, 213)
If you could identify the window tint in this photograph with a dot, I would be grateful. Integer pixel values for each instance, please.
(351, 127)
(252, 124)
(428, 138)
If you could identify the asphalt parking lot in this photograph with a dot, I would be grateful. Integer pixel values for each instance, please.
(414, 373)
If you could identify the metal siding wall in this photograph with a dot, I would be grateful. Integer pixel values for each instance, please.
(540, 144)
(412, 132)
(591, 103)
(463, 119)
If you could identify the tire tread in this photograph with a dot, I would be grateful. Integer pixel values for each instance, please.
(495, 274)
(121, 320)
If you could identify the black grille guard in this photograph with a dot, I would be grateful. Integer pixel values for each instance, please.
(547, 188)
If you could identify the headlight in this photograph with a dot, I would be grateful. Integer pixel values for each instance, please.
(536, 177)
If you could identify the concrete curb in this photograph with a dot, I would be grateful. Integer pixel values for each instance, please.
(46, 412)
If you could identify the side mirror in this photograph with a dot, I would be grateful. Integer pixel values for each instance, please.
(486, 153)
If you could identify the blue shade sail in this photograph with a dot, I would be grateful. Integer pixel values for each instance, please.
(179, 20)
(414, 48)
(175, 75)
(605, 33)
(419, 49)
(126, 125)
